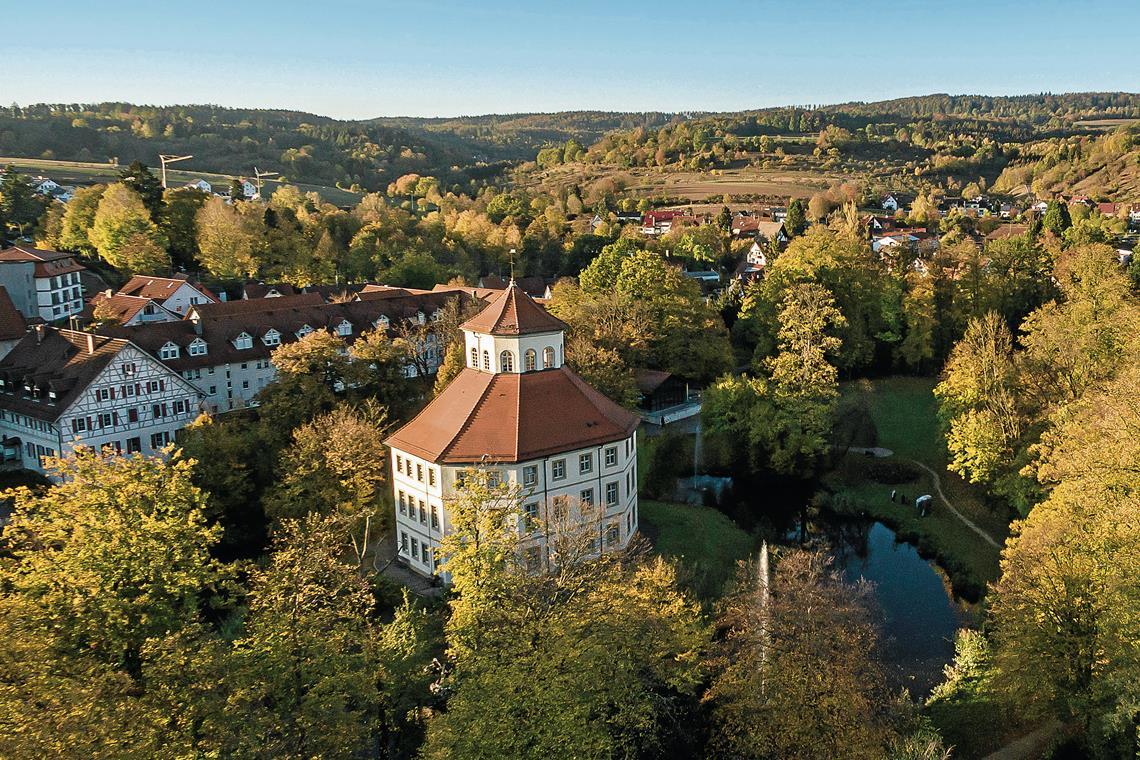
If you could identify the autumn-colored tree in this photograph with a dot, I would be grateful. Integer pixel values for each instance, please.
(124, 234)
(336, 464)
(798, 675)
(230, 239)
(78, 219)
(117, 552)
(1065, 613)
(598, 657)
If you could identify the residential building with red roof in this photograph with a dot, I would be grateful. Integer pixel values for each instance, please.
(42, 283)
(226, 349)
(122, 309)
(174, 294)
(518, 409)
(60, 389)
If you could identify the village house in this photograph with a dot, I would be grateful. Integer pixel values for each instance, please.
(43, 284)
(201, 185)
(120, 309)
(174, 294)
(655, 223)
(519, 410)
(60, 389)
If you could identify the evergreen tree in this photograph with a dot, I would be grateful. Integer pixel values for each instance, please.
(148, 187)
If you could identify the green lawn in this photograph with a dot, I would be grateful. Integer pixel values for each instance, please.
(904, 413)
(91, 172)
(706, 544)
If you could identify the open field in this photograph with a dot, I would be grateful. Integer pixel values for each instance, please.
(1106, 125)
(904, 413)
(90, 173)
(699, 185)
(706, 544)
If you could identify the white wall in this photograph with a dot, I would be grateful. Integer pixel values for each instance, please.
(542, 493)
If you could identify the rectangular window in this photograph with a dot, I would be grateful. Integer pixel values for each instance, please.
(403, 542)
(530, 517)
(403, 504)
(106, 420)
(426, 554)
(134, 445)
(399, 463)
(559, 510)
(585, 463)
(434, 517)
(79, 424)
(415, 548)
(494, 478)
(420, 473)
(158, 411)
(431, 476)
(132, 415)
(558, 469)
(423, 513)
(611, 456)
(587, 496)
(613, 534)
(530, 475)
(611, 494)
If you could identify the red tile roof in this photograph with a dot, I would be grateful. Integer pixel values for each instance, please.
(513, 417)
(159, 288)
(117, 307)
(48, 263)
(12, 324)
(513, 312)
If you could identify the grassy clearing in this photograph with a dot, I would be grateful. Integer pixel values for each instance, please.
(706, 544)
(904, 413)
(90, 173)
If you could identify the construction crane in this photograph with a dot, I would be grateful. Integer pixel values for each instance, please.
(164, 160)
(258, 175)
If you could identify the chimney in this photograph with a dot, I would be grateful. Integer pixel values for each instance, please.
(90, 343)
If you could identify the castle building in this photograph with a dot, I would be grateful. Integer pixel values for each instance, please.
(516, 409)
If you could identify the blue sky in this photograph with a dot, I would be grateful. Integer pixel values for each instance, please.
(357, 59)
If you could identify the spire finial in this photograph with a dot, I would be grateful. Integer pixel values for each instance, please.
(512, 268)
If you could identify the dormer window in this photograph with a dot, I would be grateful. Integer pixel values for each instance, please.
(168, 351)
(303, 331)
(420, 317)
(383, 322)
(435, 315)
(198, 347)
(506, 362)
(243, 341)
(271, 338)
(344, 329)
(548, 357)
(530, 360)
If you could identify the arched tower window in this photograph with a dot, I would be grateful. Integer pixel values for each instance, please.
(548, 357)
(530, 360)
(474, 358)
(506, 362)
(487, 361)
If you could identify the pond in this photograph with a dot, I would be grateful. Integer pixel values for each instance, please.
(920, 614)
